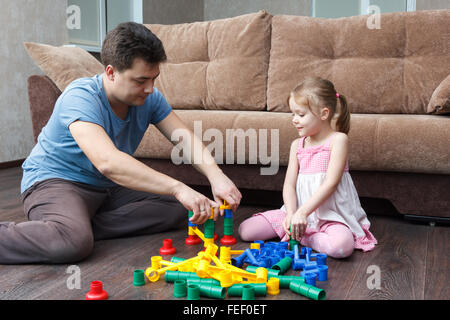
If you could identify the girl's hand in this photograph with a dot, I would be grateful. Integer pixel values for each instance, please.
(287, 224)
(299, 223)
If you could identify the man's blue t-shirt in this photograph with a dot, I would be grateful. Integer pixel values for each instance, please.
(57, 155)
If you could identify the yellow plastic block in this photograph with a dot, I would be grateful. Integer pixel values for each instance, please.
(273, 286)
(225, 254)
(156, 262)
(154, 274)
(191, 231)
(225, 205)
(198, 233)
(208, 241)
(255, 246)
(226, 278)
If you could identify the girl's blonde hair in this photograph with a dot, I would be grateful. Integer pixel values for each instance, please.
(320, 93)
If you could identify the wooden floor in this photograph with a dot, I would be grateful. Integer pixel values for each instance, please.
(413, 261)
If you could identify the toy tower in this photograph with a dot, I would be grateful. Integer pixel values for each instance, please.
(228, 238)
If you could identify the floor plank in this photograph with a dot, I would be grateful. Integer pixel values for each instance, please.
(436, 280)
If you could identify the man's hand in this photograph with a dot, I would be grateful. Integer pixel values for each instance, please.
(196, 202)
(224, 189)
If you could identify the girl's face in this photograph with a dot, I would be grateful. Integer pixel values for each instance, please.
(306, 122)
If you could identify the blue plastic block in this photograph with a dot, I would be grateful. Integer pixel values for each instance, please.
(228, 213)
(323, 272)
(310, 278)
(261, 243)
(190, 224)
(238, 261)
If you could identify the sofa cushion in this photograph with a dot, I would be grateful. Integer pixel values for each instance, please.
(440, 100)
(63, 64)
(394, 69)
(220, 64)
(385, 142)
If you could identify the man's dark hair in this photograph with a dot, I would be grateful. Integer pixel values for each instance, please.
(130, 40)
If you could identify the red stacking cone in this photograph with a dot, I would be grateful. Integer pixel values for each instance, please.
(228, 240)
(97, 292)
(192, 240)
(167, 247)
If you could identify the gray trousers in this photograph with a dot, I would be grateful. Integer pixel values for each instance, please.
(65, 218)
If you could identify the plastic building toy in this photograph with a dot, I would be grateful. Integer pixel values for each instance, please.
(167, 248)
(236, 289)
(207, 275)
(138, 278)
(307, 290)
(248, 292)
(273, 286)
(96, 292)
(193, 292)
(283, 265)
(192, 238)
(227, 239)
(180, 289)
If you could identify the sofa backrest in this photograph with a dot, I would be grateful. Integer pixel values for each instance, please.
(393, 69)
(216, 65)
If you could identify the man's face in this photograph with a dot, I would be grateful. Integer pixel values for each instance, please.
(133, 85)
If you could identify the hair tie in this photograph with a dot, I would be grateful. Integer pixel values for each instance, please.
(337, 95)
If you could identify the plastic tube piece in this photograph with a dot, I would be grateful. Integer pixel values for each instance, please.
(283, 265)
(180, 289)
(236, 289)
(248, 292)
(307, 290)
(286, 280)
(193, 292)
(138, 278)
(323, 272)
(212, 291)
(210, 281)
(172, 276)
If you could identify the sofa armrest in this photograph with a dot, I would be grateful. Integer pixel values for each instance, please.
(42, 95)
(440, 100)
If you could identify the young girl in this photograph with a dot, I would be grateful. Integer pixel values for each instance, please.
(321, 206)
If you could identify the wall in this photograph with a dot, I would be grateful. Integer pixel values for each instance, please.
(432, 4)
(172, 11)
(216, 9)
(41, 21)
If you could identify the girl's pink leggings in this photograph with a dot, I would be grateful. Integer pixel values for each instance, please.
(334, 239)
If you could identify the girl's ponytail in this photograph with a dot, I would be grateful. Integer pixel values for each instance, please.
(343, 121)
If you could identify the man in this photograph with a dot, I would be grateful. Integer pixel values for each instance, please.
(80, 182)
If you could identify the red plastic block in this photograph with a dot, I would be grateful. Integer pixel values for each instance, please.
(97, 292)
(167, 248)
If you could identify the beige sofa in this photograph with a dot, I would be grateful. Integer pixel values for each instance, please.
(235, 74)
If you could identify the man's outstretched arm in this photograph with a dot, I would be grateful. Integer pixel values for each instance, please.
(222, 187)
(126, 171)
